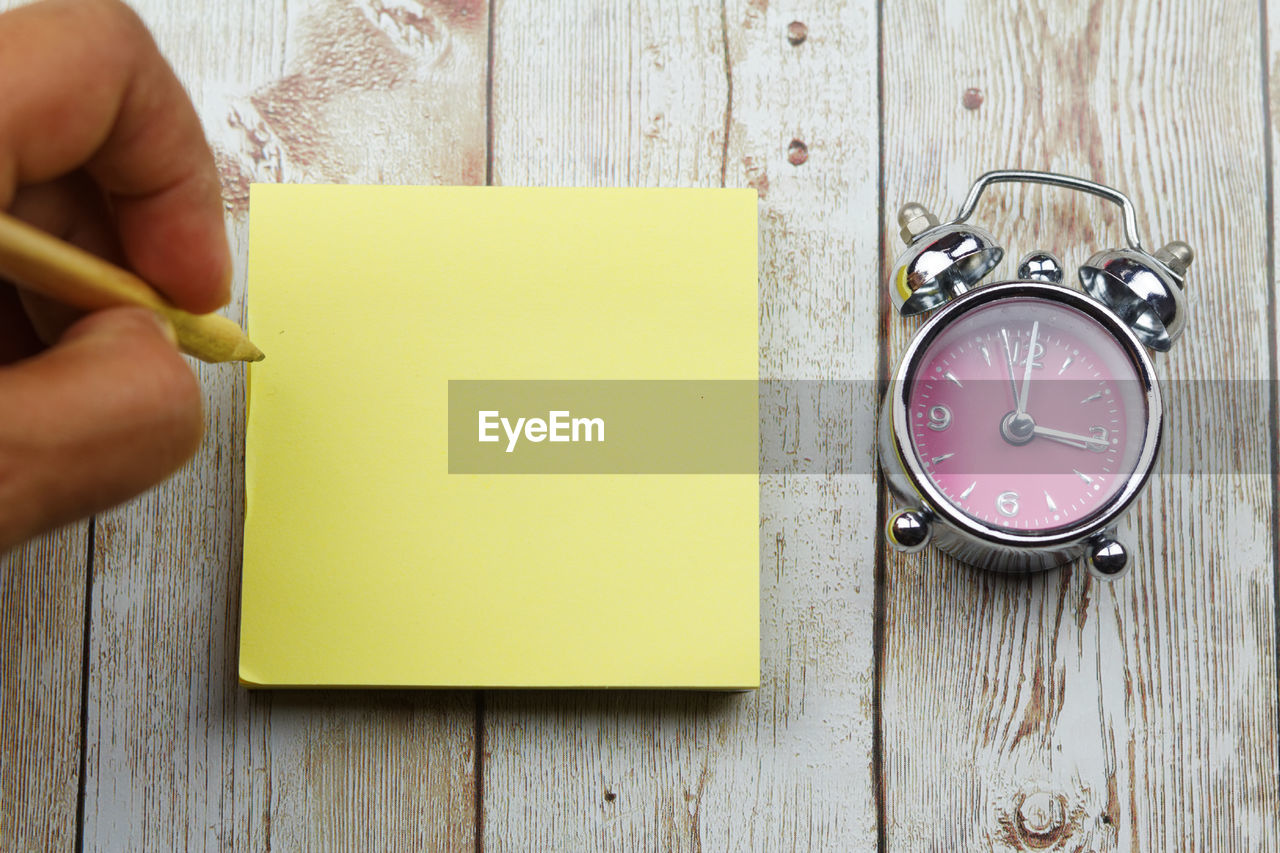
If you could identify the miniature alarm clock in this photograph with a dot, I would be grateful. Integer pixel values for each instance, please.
(1025, 417)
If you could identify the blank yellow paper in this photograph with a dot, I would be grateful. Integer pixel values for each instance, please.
(366, 563)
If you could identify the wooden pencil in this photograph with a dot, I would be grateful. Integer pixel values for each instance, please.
(42, 263)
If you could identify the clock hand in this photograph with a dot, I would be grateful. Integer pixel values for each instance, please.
(1008, 359)
(1026, 374)
(1081, 441)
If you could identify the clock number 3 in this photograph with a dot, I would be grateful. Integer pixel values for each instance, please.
(939, 418)
(1007, 504)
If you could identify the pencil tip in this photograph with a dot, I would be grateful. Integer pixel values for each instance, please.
(248, 351)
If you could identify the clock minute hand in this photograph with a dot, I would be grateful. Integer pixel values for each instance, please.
(1081, 441)
(1008, 359)
(1026, 374)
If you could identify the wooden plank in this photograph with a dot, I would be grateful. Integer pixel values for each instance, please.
(42, 587)
(174, 749)
(1139, 715)
(178, 755)
(622, 93)
(1271, 110)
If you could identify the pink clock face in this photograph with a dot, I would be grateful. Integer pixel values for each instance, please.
(1027, 414)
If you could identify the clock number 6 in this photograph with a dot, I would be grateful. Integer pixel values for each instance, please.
(1007, 504)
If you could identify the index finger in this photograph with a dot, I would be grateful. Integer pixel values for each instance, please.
(82, 85)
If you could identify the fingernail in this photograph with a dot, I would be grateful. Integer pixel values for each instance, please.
(166, 327)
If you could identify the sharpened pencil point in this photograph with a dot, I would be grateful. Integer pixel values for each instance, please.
(245, 350)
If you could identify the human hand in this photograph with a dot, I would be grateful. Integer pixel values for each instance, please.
(100, 146)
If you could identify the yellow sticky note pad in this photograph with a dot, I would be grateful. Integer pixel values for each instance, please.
(376, 555)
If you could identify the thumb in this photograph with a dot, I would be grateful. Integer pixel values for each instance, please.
(109, 411)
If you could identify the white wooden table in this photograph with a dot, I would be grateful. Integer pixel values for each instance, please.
(907, 703)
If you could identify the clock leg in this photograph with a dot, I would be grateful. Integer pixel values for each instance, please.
(908, 530)
(1108, 560)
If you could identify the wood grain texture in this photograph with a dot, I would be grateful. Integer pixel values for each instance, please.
(1271, 95)
(627, 93)
(1139, 715)
(179, 757)
(42, 589)
(1134, 716)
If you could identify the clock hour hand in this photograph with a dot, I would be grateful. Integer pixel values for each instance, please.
(1081, 441)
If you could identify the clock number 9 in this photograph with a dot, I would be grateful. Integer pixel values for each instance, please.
(1007, 504)
(939, 418)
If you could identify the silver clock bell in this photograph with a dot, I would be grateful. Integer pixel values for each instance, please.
(1025, 417)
